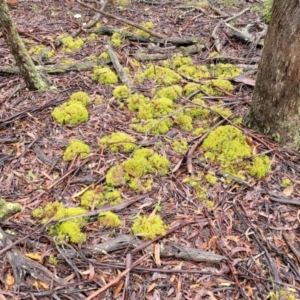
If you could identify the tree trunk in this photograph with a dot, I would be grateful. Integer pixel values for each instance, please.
(24, 62)
(275, 108)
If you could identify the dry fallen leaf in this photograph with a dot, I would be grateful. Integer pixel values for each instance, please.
(287, 192)
(9, 281)
(34, 256)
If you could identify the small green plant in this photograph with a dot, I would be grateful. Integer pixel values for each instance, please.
(158, 206)
(285, 182)
(266, 10)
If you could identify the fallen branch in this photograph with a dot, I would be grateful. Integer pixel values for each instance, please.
(122, 20)
(118, 67)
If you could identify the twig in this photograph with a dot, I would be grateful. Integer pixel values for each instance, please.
(214, 33)
(105, 208)
(117, 279)
(292, 247)
(118, 67)
(123, 20)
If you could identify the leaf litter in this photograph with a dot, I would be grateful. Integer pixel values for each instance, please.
(245, 228)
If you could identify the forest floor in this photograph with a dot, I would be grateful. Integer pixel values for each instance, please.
(232, 232)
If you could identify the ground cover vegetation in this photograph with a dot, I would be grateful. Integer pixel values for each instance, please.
(139, 144)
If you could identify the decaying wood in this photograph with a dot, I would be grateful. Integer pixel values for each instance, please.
(118, 67)
(127, 241)
(22, 265)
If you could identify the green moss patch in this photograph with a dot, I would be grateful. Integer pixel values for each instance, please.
(144, 161)
(70, 113)
(228, 147)
(8, 208)
(147, 25)
(173, 92)
(121, 92)
(161, 75)
(68, 230)
(180, 146)
(116, 176)
(76, 147)
(71, 44)
(104, 75)
(135, 101)
(153, 126)
(109, 219)
(116, 39)
(149, 227)
(74, 111)
(119, 141)
(80, 97)
(93, 198)
(225, 70)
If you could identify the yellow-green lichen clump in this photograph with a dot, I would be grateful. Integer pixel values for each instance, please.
(172, 92)
(121, 92)
(76, 148)
(69, 230)
(104, 75)
(80, 97)
(109, 219)
(119, 141)
(144, 161)
(149, 227)
(74, 111)
(146, 25)
(225, 70)
(162, 75)
(71, 44)
(116, 39)
(70, 113)
(228, 147)
(92, 198)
